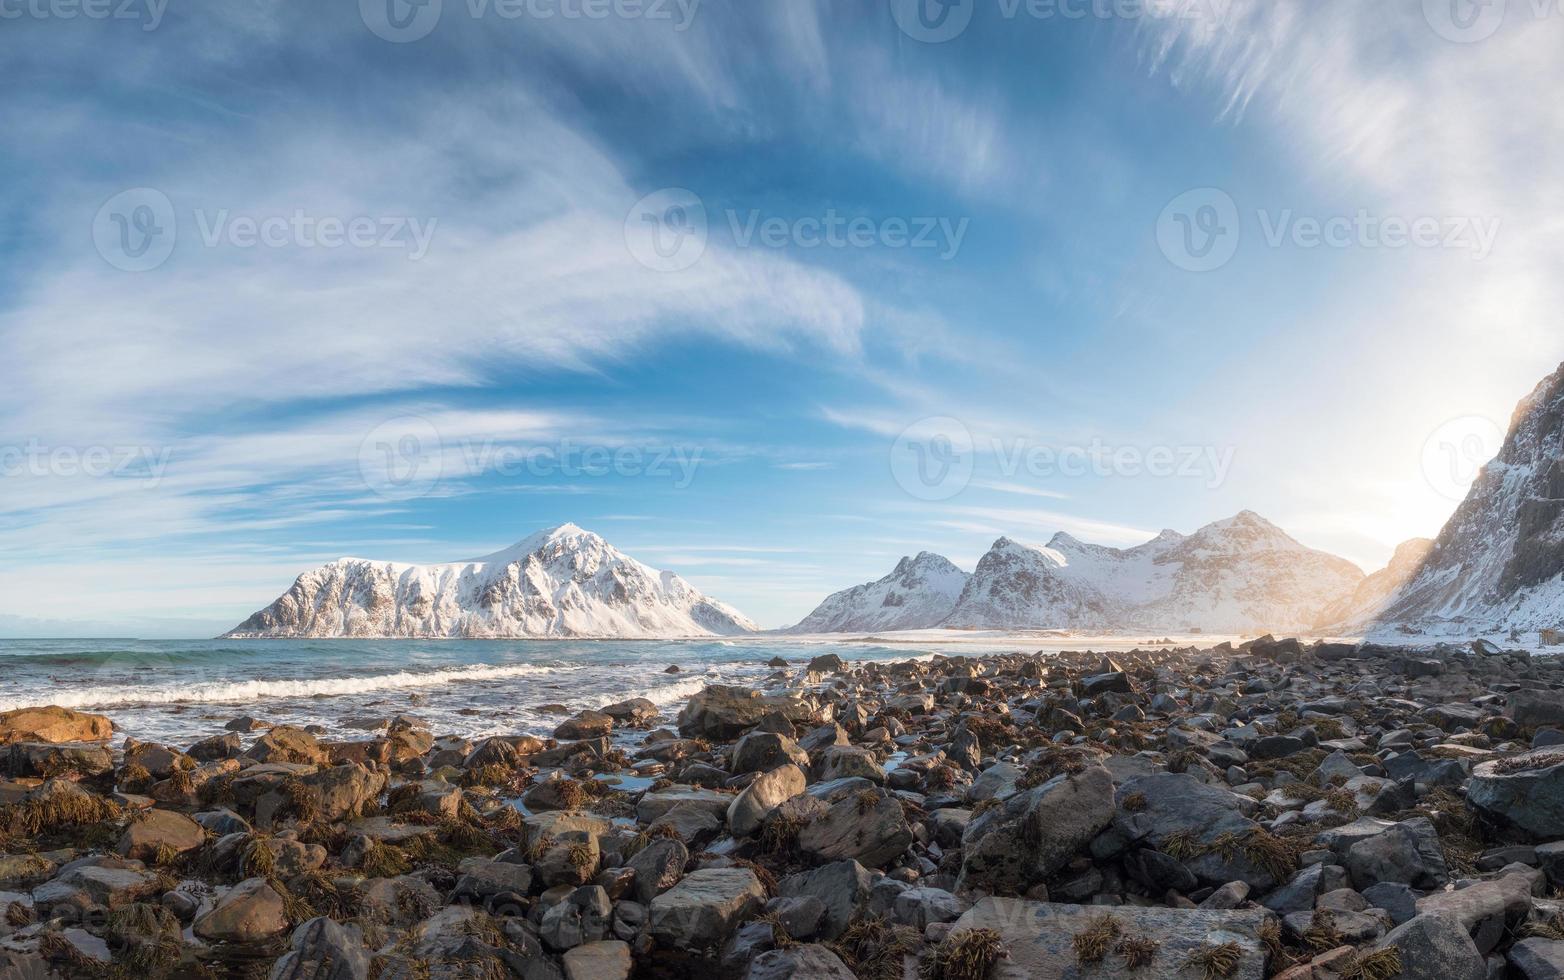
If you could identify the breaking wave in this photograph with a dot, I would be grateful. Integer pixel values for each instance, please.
(234, 692)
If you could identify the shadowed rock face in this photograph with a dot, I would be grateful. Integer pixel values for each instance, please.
(1497, 563)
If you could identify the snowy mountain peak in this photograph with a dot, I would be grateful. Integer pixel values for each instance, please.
(1235, 575)
(919, 593)
(1499, 562)
(561, 582)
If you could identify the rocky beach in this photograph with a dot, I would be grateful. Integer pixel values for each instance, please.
(1305, 810)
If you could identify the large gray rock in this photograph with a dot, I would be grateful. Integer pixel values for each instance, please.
(1176, 804)
(1437, 948)
(1034, 833)
(605, 960)
(1487, 909)
(1407, 853)
(761, 751)
(324, 950)
(843, 887)
(1531, 709)
(1038, 935)
(704, 908)
(798, 963)
(658, 867)
(1537, 959)
(871, 833)
(722, 712)
(769, 790)
(1525, 792)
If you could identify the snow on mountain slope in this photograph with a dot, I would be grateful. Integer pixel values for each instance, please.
(1241, 574)
(563, 582)
(918, 594)
(1499, 562)
(1376, 592)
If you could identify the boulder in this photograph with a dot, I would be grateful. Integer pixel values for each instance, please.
(749, 809)
(763, 751)
(704, 908)
(809, 962)
(1407, 853)
(584, 724)
(721, 712)
(1537, 959)
(843, 887)
(1534, 709)
(52, 725)
(848, 762)
(1436, 947)
(156, 834)
(1486, 909)
(1038, 939)
(658, 867)
(287, 744)
(48, 759)
(1524, 792)
(869, 827)
(1020, 842)
(1179, 806)
(608, 959)
(324, 950)
(251, 911)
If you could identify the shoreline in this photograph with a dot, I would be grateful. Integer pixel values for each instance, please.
(969, 817)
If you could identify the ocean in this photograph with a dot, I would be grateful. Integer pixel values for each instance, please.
(180, 691)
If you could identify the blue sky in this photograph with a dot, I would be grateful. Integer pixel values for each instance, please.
(277, 288)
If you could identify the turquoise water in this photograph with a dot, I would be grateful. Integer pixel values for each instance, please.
(178, 691)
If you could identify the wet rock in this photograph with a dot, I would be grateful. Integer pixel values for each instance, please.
(53, 725)
(704, 908)
(287, 744)
(48, 759)
(585, 724)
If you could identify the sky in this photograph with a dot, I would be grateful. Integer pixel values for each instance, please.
(766, 293)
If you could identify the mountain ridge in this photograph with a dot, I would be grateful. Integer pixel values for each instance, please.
(561, 582)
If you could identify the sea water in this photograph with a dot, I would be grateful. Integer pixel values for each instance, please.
(180, 691)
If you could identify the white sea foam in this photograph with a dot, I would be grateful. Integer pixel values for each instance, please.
(254, 690)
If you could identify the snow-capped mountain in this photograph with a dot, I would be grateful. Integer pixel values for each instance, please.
(1238, 575)
(1499, 562)
(1375, 593)
(918, 594)
(563, 582)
